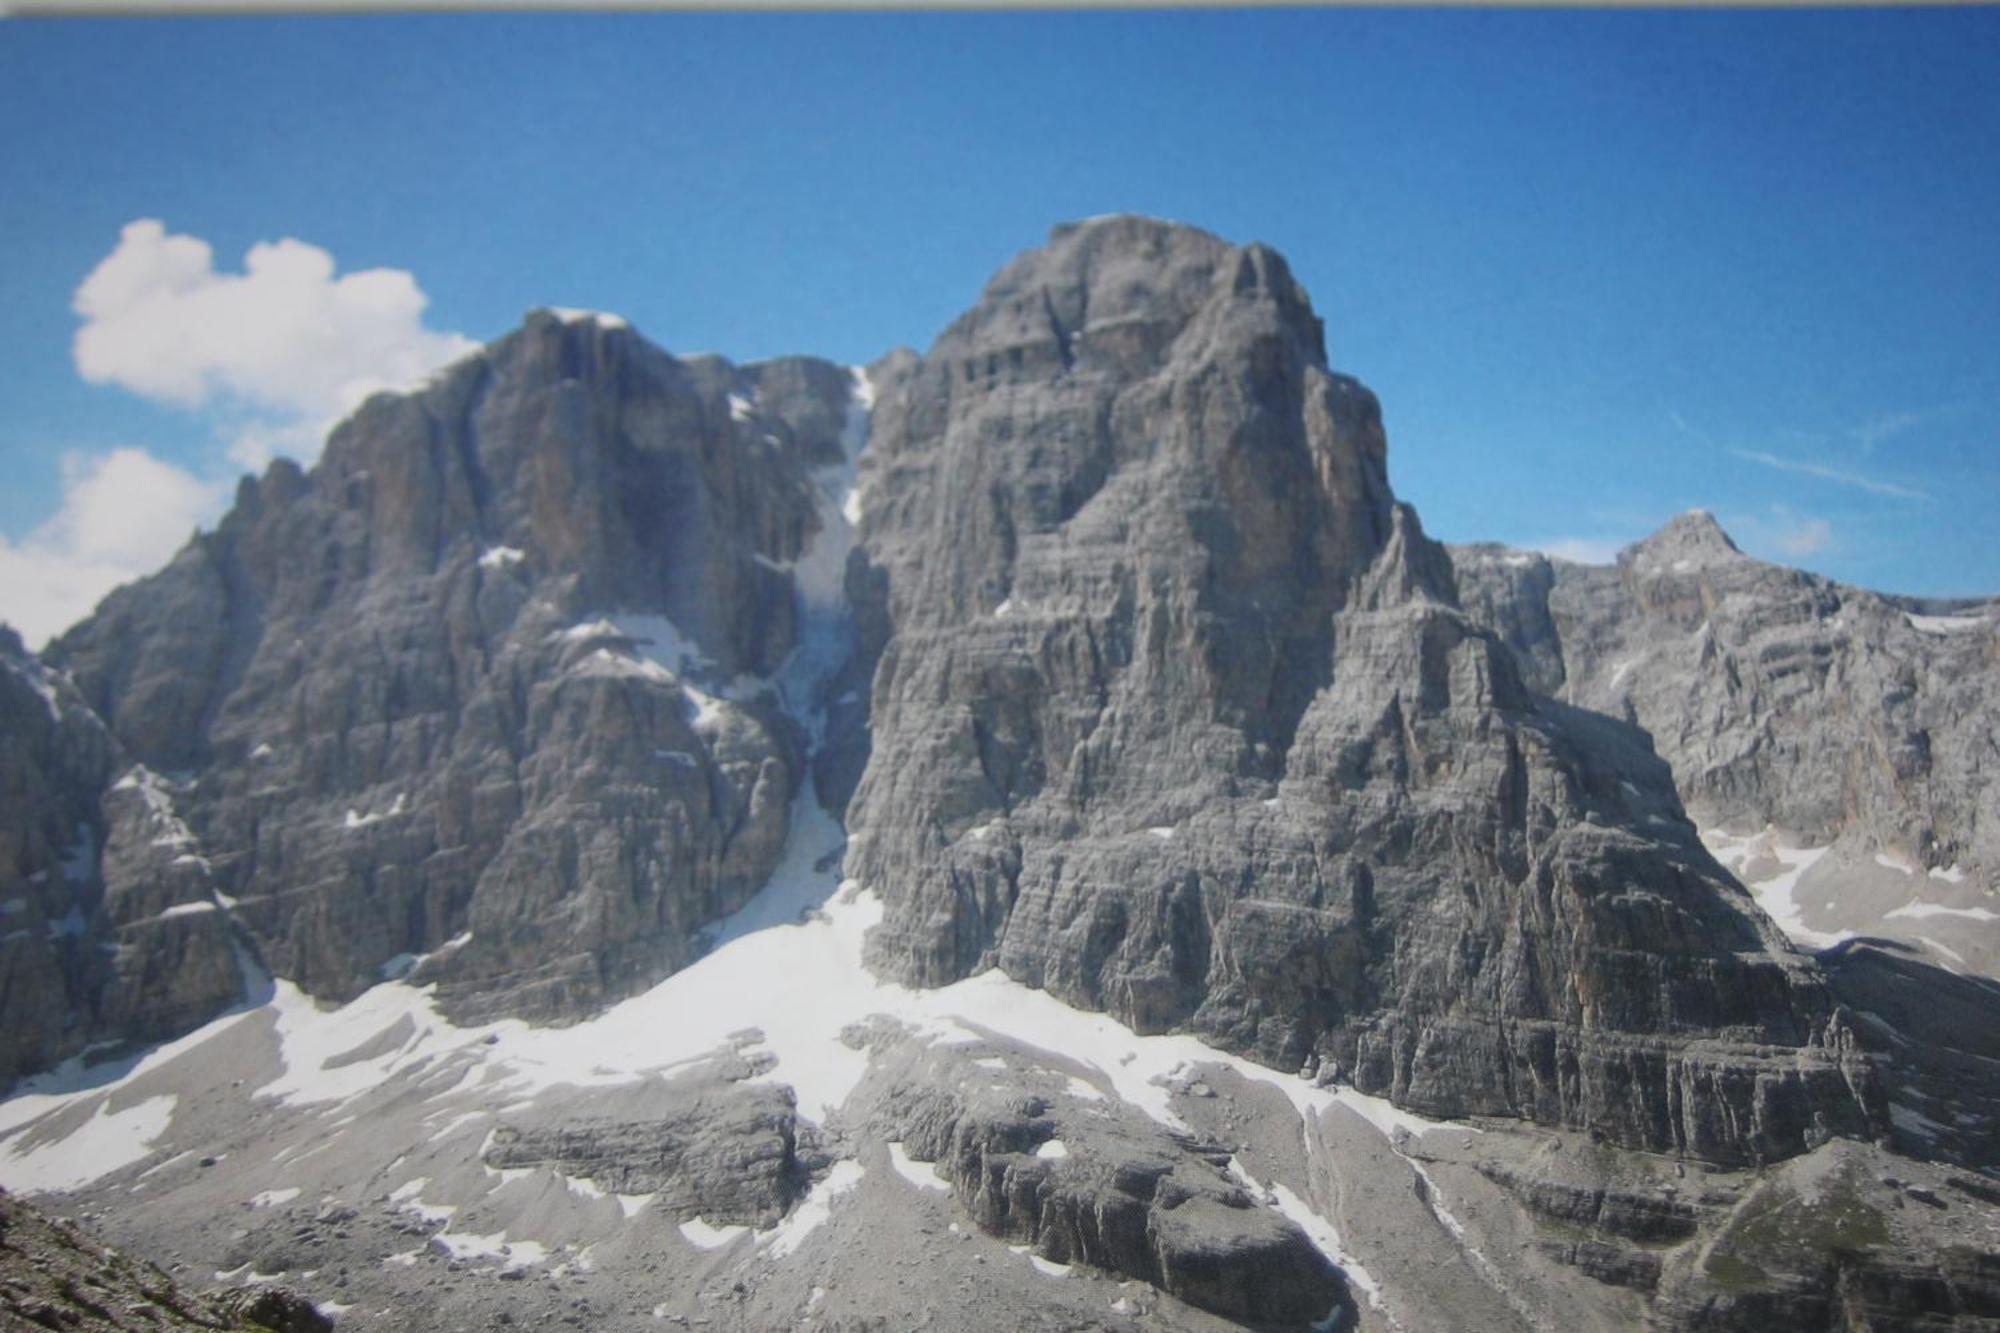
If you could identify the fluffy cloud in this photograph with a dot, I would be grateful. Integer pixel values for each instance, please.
(277, 353)
(286, 345)
(1783, 533)
(122, 515)
(1806, 536)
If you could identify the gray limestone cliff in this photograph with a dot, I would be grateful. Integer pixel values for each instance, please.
(1177, 716)
(1841, 716)
(497, 690)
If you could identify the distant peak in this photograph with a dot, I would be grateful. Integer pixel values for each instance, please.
(1692, 538)
(569, 315)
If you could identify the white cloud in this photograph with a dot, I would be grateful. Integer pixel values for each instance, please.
(1806, 536)
(1782, 532)
(285, 344)
(123, 514)
(1583, 550)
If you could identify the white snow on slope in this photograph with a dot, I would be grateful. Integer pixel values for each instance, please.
(355, 819)
(1945, 624)
(921, 1174)
(1326, 1240)
(812, 1210)
(500, 557)
(1917, 909)
(705, 1237)
(1779, 868)
(853, 437)
(572, 315)
(103, 1143)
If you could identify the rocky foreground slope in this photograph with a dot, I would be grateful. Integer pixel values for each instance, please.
(1270, 915)
(55, 1275)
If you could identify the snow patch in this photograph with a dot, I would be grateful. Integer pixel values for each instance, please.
(501, 557)
(355, 819)
(1775, 890)
(1944, 624)
(100, 1145)
(705, 1237)
(601, 318)
(1896, 863)
(189, 909)
(921, 1174)
(274, 1198)
(1921, 910)
(812, 1210)
(1325, 1238)
(512, 1254)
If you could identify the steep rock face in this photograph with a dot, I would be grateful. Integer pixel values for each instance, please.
(727, 1153)
(55, 757)
(109, 925)
(1176, 716)
(1778, 697)
(498, 688)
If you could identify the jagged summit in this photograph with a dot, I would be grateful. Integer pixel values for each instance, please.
(1115, 295)
(1687, 540)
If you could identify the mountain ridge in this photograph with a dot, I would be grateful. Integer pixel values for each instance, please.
(1139, 690)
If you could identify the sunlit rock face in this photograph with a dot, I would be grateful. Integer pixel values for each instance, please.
(1087, 860)
(1838, 717)
(493, 690)
(1177, 716)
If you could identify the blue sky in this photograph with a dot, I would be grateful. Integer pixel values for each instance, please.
(1601, 267)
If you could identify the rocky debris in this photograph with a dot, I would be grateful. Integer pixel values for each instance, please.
(487, 692)
(1827, 1242)
(54, 1276)
(1084, 1183)
(728, 1153)
(1778, 697)
(1185, 723)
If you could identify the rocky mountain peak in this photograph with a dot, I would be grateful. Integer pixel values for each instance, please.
(1115, 296)
(1688, 541)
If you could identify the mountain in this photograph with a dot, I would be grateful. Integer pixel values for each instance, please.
(491, 694)
(1814, 728)
(1027, 834)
